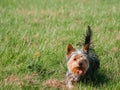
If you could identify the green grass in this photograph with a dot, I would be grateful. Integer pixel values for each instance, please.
(34, 35)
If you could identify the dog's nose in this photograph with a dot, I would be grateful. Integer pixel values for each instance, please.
(80, 64)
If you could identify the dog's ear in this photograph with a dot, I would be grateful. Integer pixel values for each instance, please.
(86, 48)
(69, 50)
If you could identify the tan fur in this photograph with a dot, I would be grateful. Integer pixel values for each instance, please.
(69, 50)
(73, 63)
(86, 47)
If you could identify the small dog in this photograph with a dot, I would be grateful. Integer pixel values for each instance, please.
(81, 63)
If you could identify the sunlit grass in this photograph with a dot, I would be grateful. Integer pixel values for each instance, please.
(34, 35)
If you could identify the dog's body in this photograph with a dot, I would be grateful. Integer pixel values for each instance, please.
(81, 62)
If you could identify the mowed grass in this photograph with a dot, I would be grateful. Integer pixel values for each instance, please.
(34, 35)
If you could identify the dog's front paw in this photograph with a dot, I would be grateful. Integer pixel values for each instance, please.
(70, 86)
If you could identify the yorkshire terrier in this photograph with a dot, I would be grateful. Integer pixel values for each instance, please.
(81, 62)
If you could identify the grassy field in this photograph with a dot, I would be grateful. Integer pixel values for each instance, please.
(34, 35)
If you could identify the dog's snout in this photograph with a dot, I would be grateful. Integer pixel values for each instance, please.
(80, 64)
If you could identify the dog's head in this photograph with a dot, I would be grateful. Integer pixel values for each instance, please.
(77, 61)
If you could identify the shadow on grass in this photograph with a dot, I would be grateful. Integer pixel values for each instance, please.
(97, 79)
(40, 69)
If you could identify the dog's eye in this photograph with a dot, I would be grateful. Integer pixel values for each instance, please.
(75, 59)
(81, 56)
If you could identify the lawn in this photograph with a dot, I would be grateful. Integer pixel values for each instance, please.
(34, 35)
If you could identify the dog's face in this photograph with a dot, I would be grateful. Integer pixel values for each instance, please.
(77, 61)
